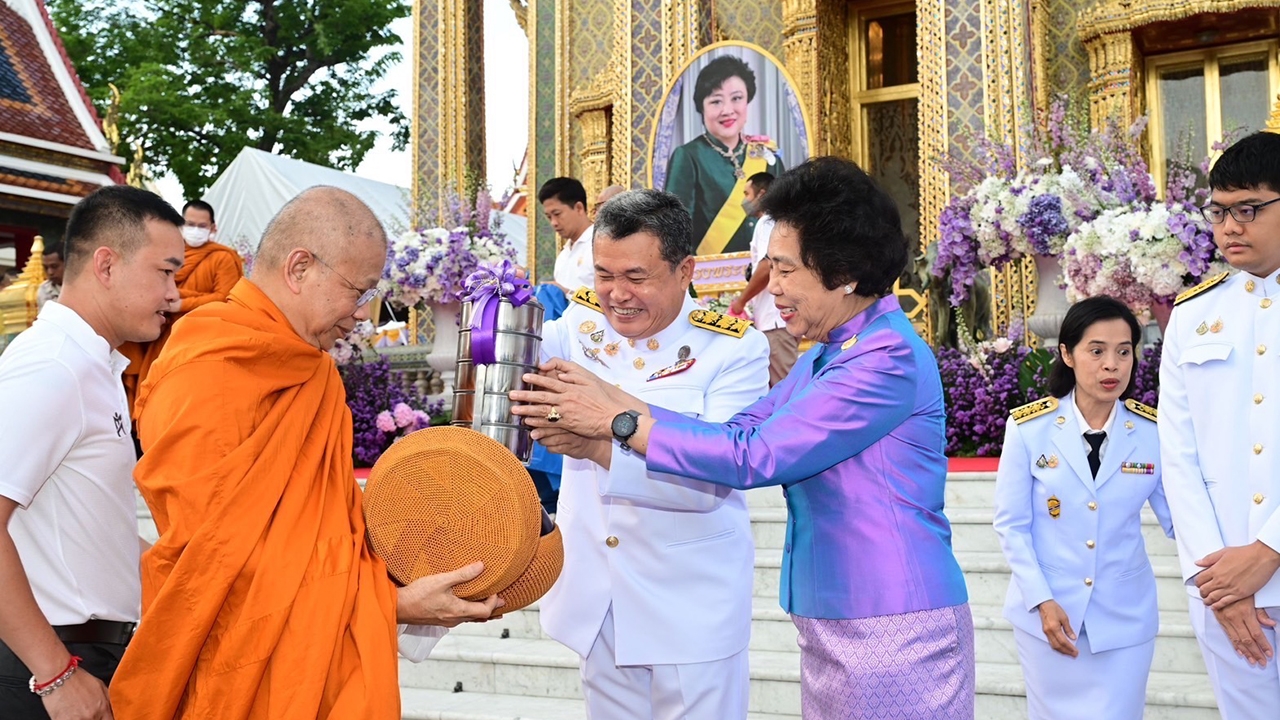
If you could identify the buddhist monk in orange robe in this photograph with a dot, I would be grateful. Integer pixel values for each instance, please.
(261, 598)
(209, 271)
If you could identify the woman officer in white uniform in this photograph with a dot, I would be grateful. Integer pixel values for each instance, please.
(1074, 474)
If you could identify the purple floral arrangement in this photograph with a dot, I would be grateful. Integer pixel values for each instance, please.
(432, 264)
(1000, 213)
(984, 385)
(1146, 379)
(384, 408)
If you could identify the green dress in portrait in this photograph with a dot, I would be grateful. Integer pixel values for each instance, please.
(703, 178)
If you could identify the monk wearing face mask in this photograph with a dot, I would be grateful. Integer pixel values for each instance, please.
(209, 271)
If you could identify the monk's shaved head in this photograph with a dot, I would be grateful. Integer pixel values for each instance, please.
(328, 221)
(609, 193)
(319, 258)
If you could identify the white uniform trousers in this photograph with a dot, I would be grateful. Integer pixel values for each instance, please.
(1244, 691)
(1111, 684)
(698, 691)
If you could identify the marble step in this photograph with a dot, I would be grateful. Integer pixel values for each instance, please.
(987, 575)
(771, 628)
(545, 669)
(1170, 696)
(419, 704)
(971, 530)
(1176, 647)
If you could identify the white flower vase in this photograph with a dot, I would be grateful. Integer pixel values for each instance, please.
(1051, 302)
(443, 357)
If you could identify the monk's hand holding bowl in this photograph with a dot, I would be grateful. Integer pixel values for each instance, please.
(430, 600)
(567, 397)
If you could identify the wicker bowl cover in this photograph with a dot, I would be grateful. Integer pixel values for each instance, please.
(444, 497)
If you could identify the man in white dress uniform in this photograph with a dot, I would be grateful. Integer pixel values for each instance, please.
(655, 595)
(1220, 434)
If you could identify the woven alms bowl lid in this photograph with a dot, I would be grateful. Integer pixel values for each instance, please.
(444, 497)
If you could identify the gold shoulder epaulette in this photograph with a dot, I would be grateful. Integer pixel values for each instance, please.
(1138, 408)
(1189, 293)
(1034, 409)
(587, 296)
(715, 322)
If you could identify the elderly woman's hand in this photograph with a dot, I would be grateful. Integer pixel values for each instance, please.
(568, 397)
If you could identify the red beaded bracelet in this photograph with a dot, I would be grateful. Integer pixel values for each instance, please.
(44, 689)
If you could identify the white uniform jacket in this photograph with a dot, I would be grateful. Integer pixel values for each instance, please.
(673, 556)
(1075, 539)
(1220, 420)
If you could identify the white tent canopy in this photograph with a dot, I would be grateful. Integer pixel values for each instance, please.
(257, 184)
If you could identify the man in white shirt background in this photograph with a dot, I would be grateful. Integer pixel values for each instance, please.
(69, 546)
(783, 348)
(564, 203)
(52, 260)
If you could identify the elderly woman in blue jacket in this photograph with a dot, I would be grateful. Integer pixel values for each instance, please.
(1075, 472)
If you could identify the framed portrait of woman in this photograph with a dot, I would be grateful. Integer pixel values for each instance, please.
(730, 113)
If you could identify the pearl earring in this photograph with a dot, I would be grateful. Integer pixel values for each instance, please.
(848, 289)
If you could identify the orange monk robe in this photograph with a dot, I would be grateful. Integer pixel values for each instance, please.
(207, 275)
(261, 598)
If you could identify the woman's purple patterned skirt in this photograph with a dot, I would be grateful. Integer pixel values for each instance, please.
(913, 666)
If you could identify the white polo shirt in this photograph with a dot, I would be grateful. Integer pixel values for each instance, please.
(576, 265)
(68, 457)
(764, 313)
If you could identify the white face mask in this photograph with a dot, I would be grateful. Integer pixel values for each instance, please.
(195, 236)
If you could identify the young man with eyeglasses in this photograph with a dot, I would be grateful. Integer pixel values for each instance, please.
(1220, 434)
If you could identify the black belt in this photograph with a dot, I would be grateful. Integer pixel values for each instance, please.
(111, 632)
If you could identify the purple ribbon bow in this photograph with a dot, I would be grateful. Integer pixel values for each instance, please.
(486, 288)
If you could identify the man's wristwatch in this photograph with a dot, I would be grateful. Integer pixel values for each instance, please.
(624, 426)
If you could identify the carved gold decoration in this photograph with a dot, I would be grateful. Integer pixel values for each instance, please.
(620, 160)
(596, 107)
(1113, 68)
(935, 186)
(521, 10)
(681, 20)
(800, 49)
(1006, 86)
(18, 307)
(1040, 51)
(1273, 123)
(1005, 77)
(1106, 28)
(1111, 16)
(449, 93)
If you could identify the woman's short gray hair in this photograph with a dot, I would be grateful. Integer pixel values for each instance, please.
(654, 211)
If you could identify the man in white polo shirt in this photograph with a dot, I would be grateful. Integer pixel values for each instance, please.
(783, 348)
(69, 546)
(564, 203)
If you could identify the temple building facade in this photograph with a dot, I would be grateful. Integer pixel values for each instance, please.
(892, 85)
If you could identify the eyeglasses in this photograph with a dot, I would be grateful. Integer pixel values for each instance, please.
(1242, 212)
(366, 296)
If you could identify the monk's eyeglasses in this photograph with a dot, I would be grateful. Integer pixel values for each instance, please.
(366, 296)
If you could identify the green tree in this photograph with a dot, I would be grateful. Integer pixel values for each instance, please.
(201, 79)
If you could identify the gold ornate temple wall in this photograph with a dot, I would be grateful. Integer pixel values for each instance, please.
(600, 70)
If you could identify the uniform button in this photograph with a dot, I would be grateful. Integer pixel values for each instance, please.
(1258, 498)
(1249, 286)
(1266, 303)
(611, 541)
(1093, 505)
(1257, 449)
(1257, 399)
(1089, 544)
(1262, 349)
(1088, 582)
